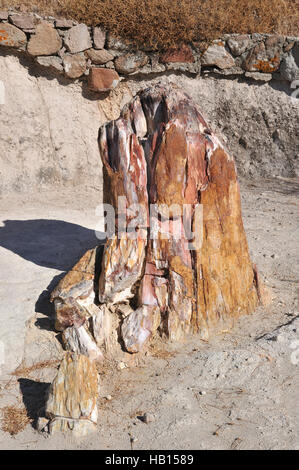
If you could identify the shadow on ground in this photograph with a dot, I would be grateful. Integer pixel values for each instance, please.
(34, 396)
(54, 244)
(49, 243)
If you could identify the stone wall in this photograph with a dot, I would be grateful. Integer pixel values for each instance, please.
(76, 50)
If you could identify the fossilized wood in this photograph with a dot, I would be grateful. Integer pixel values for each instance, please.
(79, 340)
(101, 326)
(71, 403)
(225, 277)
(161, 151)
(75, 293)
(138, 328)
(123, 261)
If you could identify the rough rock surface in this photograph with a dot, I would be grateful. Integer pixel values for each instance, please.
(122, 264)
(289, 68)
(102, 80)
(46, 40)
(239, 44)
(117, 43)
(86, 326)
(129, 63)
(265, 57)
(139, 327)
(24, 20)
(11, 36)
(189, 67)
(99, 57)
(51, 62)
(71, 404)
(74, 65)
(182, 54)
(216, 54)
(99, 38)
(77, 39)
(63, 23)
(259, 76)
(3, 15)
(101, 327)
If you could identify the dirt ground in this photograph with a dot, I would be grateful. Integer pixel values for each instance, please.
(238, 391)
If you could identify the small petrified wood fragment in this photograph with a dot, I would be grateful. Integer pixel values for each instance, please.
(71, 404)
(178, 262)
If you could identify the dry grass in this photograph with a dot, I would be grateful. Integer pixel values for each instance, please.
(163, 23)
(14, 419)
(161, 353)
(22, 371)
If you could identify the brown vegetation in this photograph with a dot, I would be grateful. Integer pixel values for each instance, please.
(14, 419)
(164, 23)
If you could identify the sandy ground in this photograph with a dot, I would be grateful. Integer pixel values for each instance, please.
(239, 391)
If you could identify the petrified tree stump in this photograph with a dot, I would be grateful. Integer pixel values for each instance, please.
(178, 262)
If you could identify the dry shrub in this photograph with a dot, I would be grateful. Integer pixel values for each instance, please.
(163, 23)
(14, 419)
